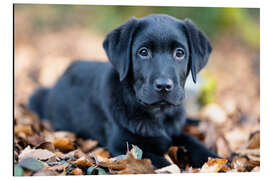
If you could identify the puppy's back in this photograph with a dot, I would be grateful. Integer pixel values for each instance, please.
(74, 103)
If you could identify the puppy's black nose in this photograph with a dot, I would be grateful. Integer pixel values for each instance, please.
(163, 84)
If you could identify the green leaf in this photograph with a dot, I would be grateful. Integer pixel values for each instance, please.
(90, 170)
(101, 171)
(31, 164)
(136, 152)
(96, 171)
(18, 170)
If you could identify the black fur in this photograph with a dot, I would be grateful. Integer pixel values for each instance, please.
(138, 97)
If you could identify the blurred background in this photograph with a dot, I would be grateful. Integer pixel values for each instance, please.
(47, 38)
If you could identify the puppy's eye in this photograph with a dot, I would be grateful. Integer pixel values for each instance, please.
(144, 52)
(179, 54)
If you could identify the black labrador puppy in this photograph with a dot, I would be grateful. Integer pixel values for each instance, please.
(138, 96)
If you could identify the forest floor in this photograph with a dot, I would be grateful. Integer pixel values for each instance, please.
(229, 126)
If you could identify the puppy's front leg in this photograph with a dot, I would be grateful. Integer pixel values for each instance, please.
(157, 160)
(197, 152)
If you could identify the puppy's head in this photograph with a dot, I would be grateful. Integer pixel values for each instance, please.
(157, 53)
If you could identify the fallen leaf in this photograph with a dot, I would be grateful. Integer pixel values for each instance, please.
(59, 168)
(96, 171)
(77, 171)
(101, 153)
(87, 145)
(136, 152)
(38, 154)
(214, 165)
(18, 171)
(172, 169)
(256, 169)
(113, 164)
(31, 164)
(27, 172)
(65, 134)
(63, 144)
(78, 154)
(35, 140)
(137, 166)
(46, 145)
(84, 162)
(26, 129)
(59, 155)
(254, 142)
(69, 155)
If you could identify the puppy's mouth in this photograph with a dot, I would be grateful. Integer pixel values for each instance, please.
(162, 103)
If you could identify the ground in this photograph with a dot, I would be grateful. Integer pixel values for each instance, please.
(229, 121)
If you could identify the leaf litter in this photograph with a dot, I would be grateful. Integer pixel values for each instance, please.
(62, 153)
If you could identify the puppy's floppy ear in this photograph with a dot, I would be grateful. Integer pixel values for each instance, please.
(118, 46)
(199, 48)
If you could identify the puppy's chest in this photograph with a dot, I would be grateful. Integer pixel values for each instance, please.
(171, 123)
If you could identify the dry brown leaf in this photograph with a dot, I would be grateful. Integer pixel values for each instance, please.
(239, 163)
(39, 154)
(237, 137)
(77, 171)
(249, 152)
(23, 129)
(84, 162)
(68, 155)
(256, 169)
(27, 172)
(59, 168)
(214, 165)
(113, 164)
(81, 155)
(78, 154)
(35, 140)
(243, 164)
(101, 153)
(254, 142)
(137, 166)
(88, 145)
(63, 144)
(59, 155)
(65, 134)
(46, 145)
(172, 169)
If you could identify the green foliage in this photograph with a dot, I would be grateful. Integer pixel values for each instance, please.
(208, 91)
